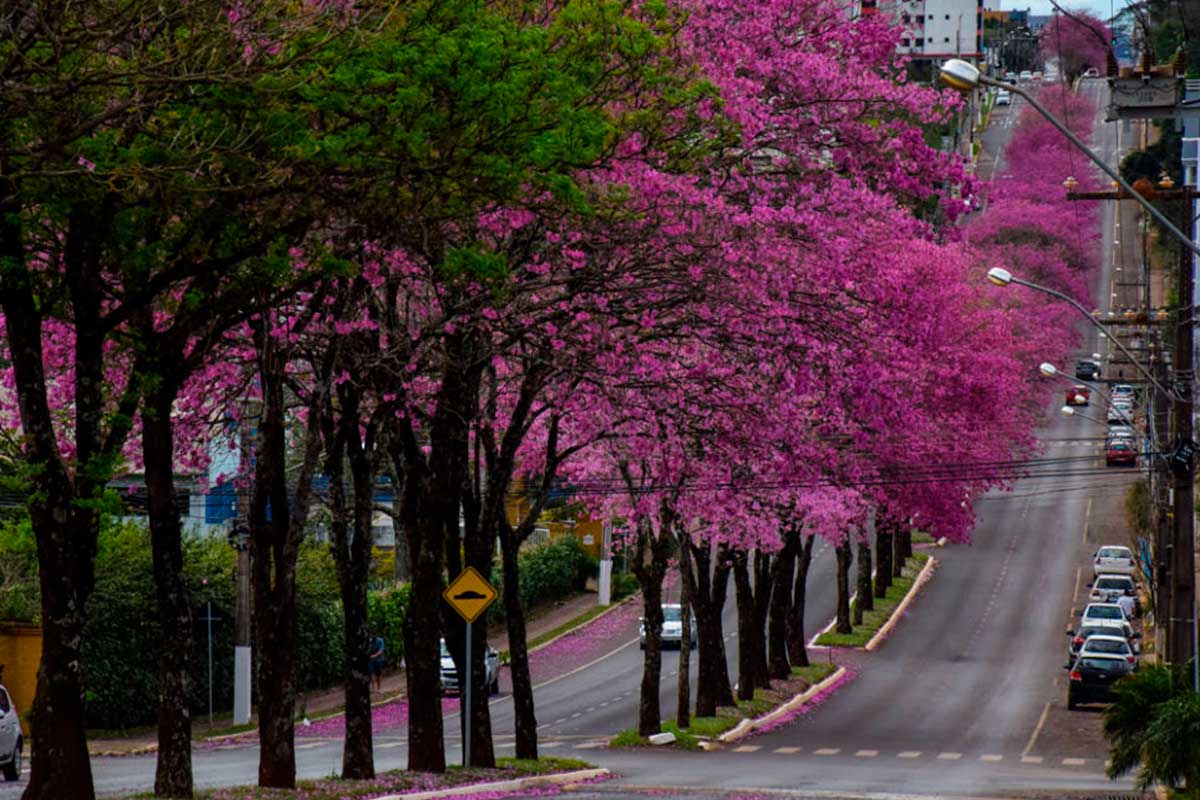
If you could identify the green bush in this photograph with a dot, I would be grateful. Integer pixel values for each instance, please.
(386, 610)
(18, 572)
(548, 572)
(623, 585)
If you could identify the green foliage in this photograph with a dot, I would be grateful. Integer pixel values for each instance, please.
(1139, 511)
(623, 585)
(877, 618)
(1153, 726)
(548, 572)
(18, 572)
(386, 610)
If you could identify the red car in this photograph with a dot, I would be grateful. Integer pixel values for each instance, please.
(1077, 395)
(1119, 451)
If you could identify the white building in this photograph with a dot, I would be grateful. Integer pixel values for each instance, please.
(938, 29)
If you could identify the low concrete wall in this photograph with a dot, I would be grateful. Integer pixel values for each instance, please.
(20, 653)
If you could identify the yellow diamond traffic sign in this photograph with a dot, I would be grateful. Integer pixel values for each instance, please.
(469, 594)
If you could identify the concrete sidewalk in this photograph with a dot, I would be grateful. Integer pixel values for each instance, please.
(332, 700)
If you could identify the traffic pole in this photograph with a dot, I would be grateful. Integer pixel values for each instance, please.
(466, 718)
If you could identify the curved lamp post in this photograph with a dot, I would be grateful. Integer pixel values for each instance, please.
(964, 76)
(1002, 277)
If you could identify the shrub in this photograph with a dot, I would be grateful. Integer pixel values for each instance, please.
(547, 573)
(386, 609)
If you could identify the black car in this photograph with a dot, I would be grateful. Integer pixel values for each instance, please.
(1087, 370)
(1093, 676)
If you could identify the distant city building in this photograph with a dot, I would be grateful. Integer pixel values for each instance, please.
(937, 29)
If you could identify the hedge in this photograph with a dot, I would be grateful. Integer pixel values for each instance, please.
(548, 572)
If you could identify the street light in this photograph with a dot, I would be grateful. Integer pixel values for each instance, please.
(964, 76)
(1002, 277)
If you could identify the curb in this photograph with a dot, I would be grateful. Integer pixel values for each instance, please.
(886, 628)
(749, 726)
(515, 785)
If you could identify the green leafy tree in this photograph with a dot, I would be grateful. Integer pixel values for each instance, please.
(1153, 727)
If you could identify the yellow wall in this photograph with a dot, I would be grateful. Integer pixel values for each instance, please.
(20, 653)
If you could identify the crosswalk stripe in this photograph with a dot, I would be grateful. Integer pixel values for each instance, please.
(949, 756)
(991, 758)
(787, 751)
(389, 745)
(867, 753)
(827, 751)
(1031, 759)
(747, 748)
(1074, 762)
(909, 754)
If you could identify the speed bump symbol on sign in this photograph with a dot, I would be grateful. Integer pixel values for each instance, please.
(469, 594)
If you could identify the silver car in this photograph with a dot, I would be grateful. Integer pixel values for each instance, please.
(672, 629)
(10, 738)
(1107, 588)
(491, 666)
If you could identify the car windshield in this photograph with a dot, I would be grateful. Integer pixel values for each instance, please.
(1113, 583)
(1105, 612)
(1105, 646)
(1114, 552)
(671, 613)
(1105, 664)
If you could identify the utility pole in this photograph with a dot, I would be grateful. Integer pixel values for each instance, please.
(1182, 620)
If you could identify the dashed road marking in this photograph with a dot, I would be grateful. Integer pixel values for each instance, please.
(827, 751)
(787, 751)
(867, 753)
(1031, 759)
(590, 709)
(577, 714)
(308, 745)
(747, 748)
(589, 745)
(991, 758)
(949, 756)
(389, 745)
(909, 754)
(560, 720)
(549, 745)
(1074, 762)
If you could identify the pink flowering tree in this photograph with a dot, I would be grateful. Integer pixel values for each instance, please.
(1078, 41)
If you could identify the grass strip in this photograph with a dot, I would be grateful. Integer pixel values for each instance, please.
(884, 606)
(393, 782)
(728, 717)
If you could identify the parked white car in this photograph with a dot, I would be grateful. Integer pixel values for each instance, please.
(1113, 560)
(1107, 588)
(1003, 98)
(10, 738)
(1095, 611)
(1108, 646)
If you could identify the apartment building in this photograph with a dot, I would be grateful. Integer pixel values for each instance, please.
(935, 29)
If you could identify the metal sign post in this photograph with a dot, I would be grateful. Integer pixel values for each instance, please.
(470, 595)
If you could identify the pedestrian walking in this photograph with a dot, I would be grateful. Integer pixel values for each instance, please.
(1127, 603)
(375, 663)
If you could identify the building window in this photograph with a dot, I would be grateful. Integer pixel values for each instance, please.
(946, 40)
(920, 43)
(920, 19)
(947, 16)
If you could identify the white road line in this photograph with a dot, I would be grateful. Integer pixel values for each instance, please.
(827, 751)
(590, 708)
(787, 751)
(1033, 736)
(949, 756)
(389, 745)
(577, 714)
(747, 748)
(909, 754)
(867, 753)
(991, 758)
(1074, 762)
(1031, 759)
(560, 720)
(549, 745)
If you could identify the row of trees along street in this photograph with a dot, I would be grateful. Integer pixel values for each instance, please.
(702, 266)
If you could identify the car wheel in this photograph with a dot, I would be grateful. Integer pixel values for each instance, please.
(12, 770)
(1071, 702)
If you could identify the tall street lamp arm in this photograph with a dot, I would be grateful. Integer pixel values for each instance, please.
(1075, 140)
(1078, 307)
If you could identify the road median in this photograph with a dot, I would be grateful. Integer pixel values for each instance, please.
(878, 623)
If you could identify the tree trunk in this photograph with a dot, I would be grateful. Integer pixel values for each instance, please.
(747, 633)
(649, 712)
(865, 596)
(762, 610)
(60, 767)
(906, 548)
(709, 588)
(358, 753)
(525, 719)
(422, 653)
(797, 644)
(173, 771)
(683, 697)
(782, 574)
(844, 558)
(883, 557)
(898, 551)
